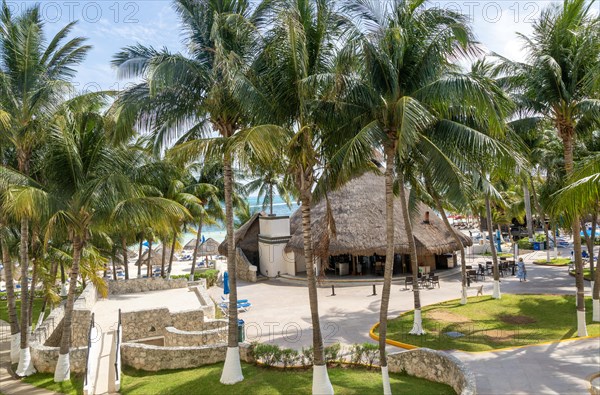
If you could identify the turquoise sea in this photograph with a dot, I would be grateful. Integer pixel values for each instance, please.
(218, 232)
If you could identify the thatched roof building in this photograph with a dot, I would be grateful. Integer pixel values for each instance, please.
(246, 236)
(156, 256)
(209, 247)
(358, 211)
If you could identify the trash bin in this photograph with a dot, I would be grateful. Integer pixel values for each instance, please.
(536, 246)
(241, 337)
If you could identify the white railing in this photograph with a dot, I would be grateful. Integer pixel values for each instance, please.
(118, 355)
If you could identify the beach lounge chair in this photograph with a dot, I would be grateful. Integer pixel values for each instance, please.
(242, 307)
(226, 300)
(408, 281)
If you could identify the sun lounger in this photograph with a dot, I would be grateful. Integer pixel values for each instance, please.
(226, 300)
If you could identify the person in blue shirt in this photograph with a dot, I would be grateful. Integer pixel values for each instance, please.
(521, 271)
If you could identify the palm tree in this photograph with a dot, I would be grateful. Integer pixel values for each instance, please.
(409, 88)
(205, 92)
(267, 178)
(559, 83)
(34, 75)
(576, 198)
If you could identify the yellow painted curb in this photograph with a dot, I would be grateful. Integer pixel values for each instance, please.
(407, 346)
(394, 343)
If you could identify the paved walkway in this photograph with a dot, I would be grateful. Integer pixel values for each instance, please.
(280, 314)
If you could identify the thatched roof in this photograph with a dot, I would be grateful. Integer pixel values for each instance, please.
(246, 236)
(156, 256)
(209, 247)
(358, 210)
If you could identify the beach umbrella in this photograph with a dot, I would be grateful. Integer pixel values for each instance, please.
(203, 239)
(226, 283)
(146, 244)
(498, 241)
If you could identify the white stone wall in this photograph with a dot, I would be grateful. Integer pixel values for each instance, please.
(435, 366)
(136, 285)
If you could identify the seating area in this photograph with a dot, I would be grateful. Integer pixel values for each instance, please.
(243, 305)
(423, 281)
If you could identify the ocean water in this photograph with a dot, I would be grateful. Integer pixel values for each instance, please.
(218, 232)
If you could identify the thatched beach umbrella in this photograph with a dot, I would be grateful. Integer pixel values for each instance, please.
(358, 212)
(246, 236)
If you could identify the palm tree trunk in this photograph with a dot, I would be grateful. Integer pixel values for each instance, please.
(488, 212)
(463, 259)
(528, 213)
(195, 257)
(417, 328)
(589, 240)
(149, 272)
(139, 269)
(125, 256)
(389, 264)
(63, 280)
(596, 294)
(542, 216)
(321, 383)
(11, 301)
(232, 370)
(34, 278)
(271, 198)
(25, 367)
(114, 265)
(63, 370)
(163, 258)
(172, 252)
(567, 135)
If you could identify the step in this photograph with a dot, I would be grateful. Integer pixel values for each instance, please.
(105, 374)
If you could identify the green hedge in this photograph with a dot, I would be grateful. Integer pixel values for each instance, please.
(210, 275)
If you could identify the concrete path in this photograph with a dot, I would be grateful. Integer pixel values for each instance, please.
(104, 376)
(280, 314)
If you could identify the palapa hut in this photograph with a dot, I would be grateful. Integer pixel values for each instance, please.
(156, 256)
(208, 248)
(246, 238)
(352, 240)
(358, 211)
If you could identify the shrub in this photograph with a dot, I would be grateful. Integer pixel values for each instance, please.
(289, 357)
(307, 356)
(268, 354)
(370, 354)
(210, 275)
(356, 353)
(525, 244)
(332, 353)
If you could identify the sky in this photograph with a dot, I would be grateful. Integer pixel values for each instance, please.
(111, 25)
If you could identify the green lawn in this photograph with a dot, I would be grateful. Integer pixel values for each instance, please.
(499, 254)
(46, 380)
(554, 262)
(488, 324)
(37, 308)
(586, 274)
(264, 381)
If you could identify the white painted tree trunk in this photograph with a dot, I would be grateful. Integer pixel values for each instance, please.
(417, 328)
(321, 384)
(463, 296)
(596, 310)
(63, 368)
(581, 327)
(63, 290)
(232, 370)
(385, 376)
(496, 291)
(15, 347)
(25, 367)
(592, 287)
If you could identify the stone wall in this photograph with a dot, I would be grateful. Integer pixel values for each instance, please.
(144, 285)
(244, 269)
(155, 358)
(82, 315)
(44, 345)
(175, 337)
(142, 324)
(434, 366)
(206, 302)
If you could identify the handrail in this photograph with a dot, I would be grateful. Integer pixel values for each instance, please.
(118, 349)
(87, 359)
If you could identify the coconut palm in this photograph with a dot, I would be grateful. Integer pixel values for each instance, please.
(410, 85)
(203, 94)
(267, 179)
(34, 75)
(576, 198)
(559, 82)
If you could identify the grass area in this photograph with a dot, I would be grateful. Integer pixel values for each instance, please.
(37, 308)
(265, 381)
(499, 254)
(587, 274)
(554, 262)
(46, 380)
(488, 324)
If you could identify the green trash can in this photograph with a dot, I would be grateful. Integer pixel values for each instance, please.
(241, 336)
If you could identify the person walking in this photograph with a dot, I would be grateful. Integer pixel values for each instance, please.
(521, 271)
